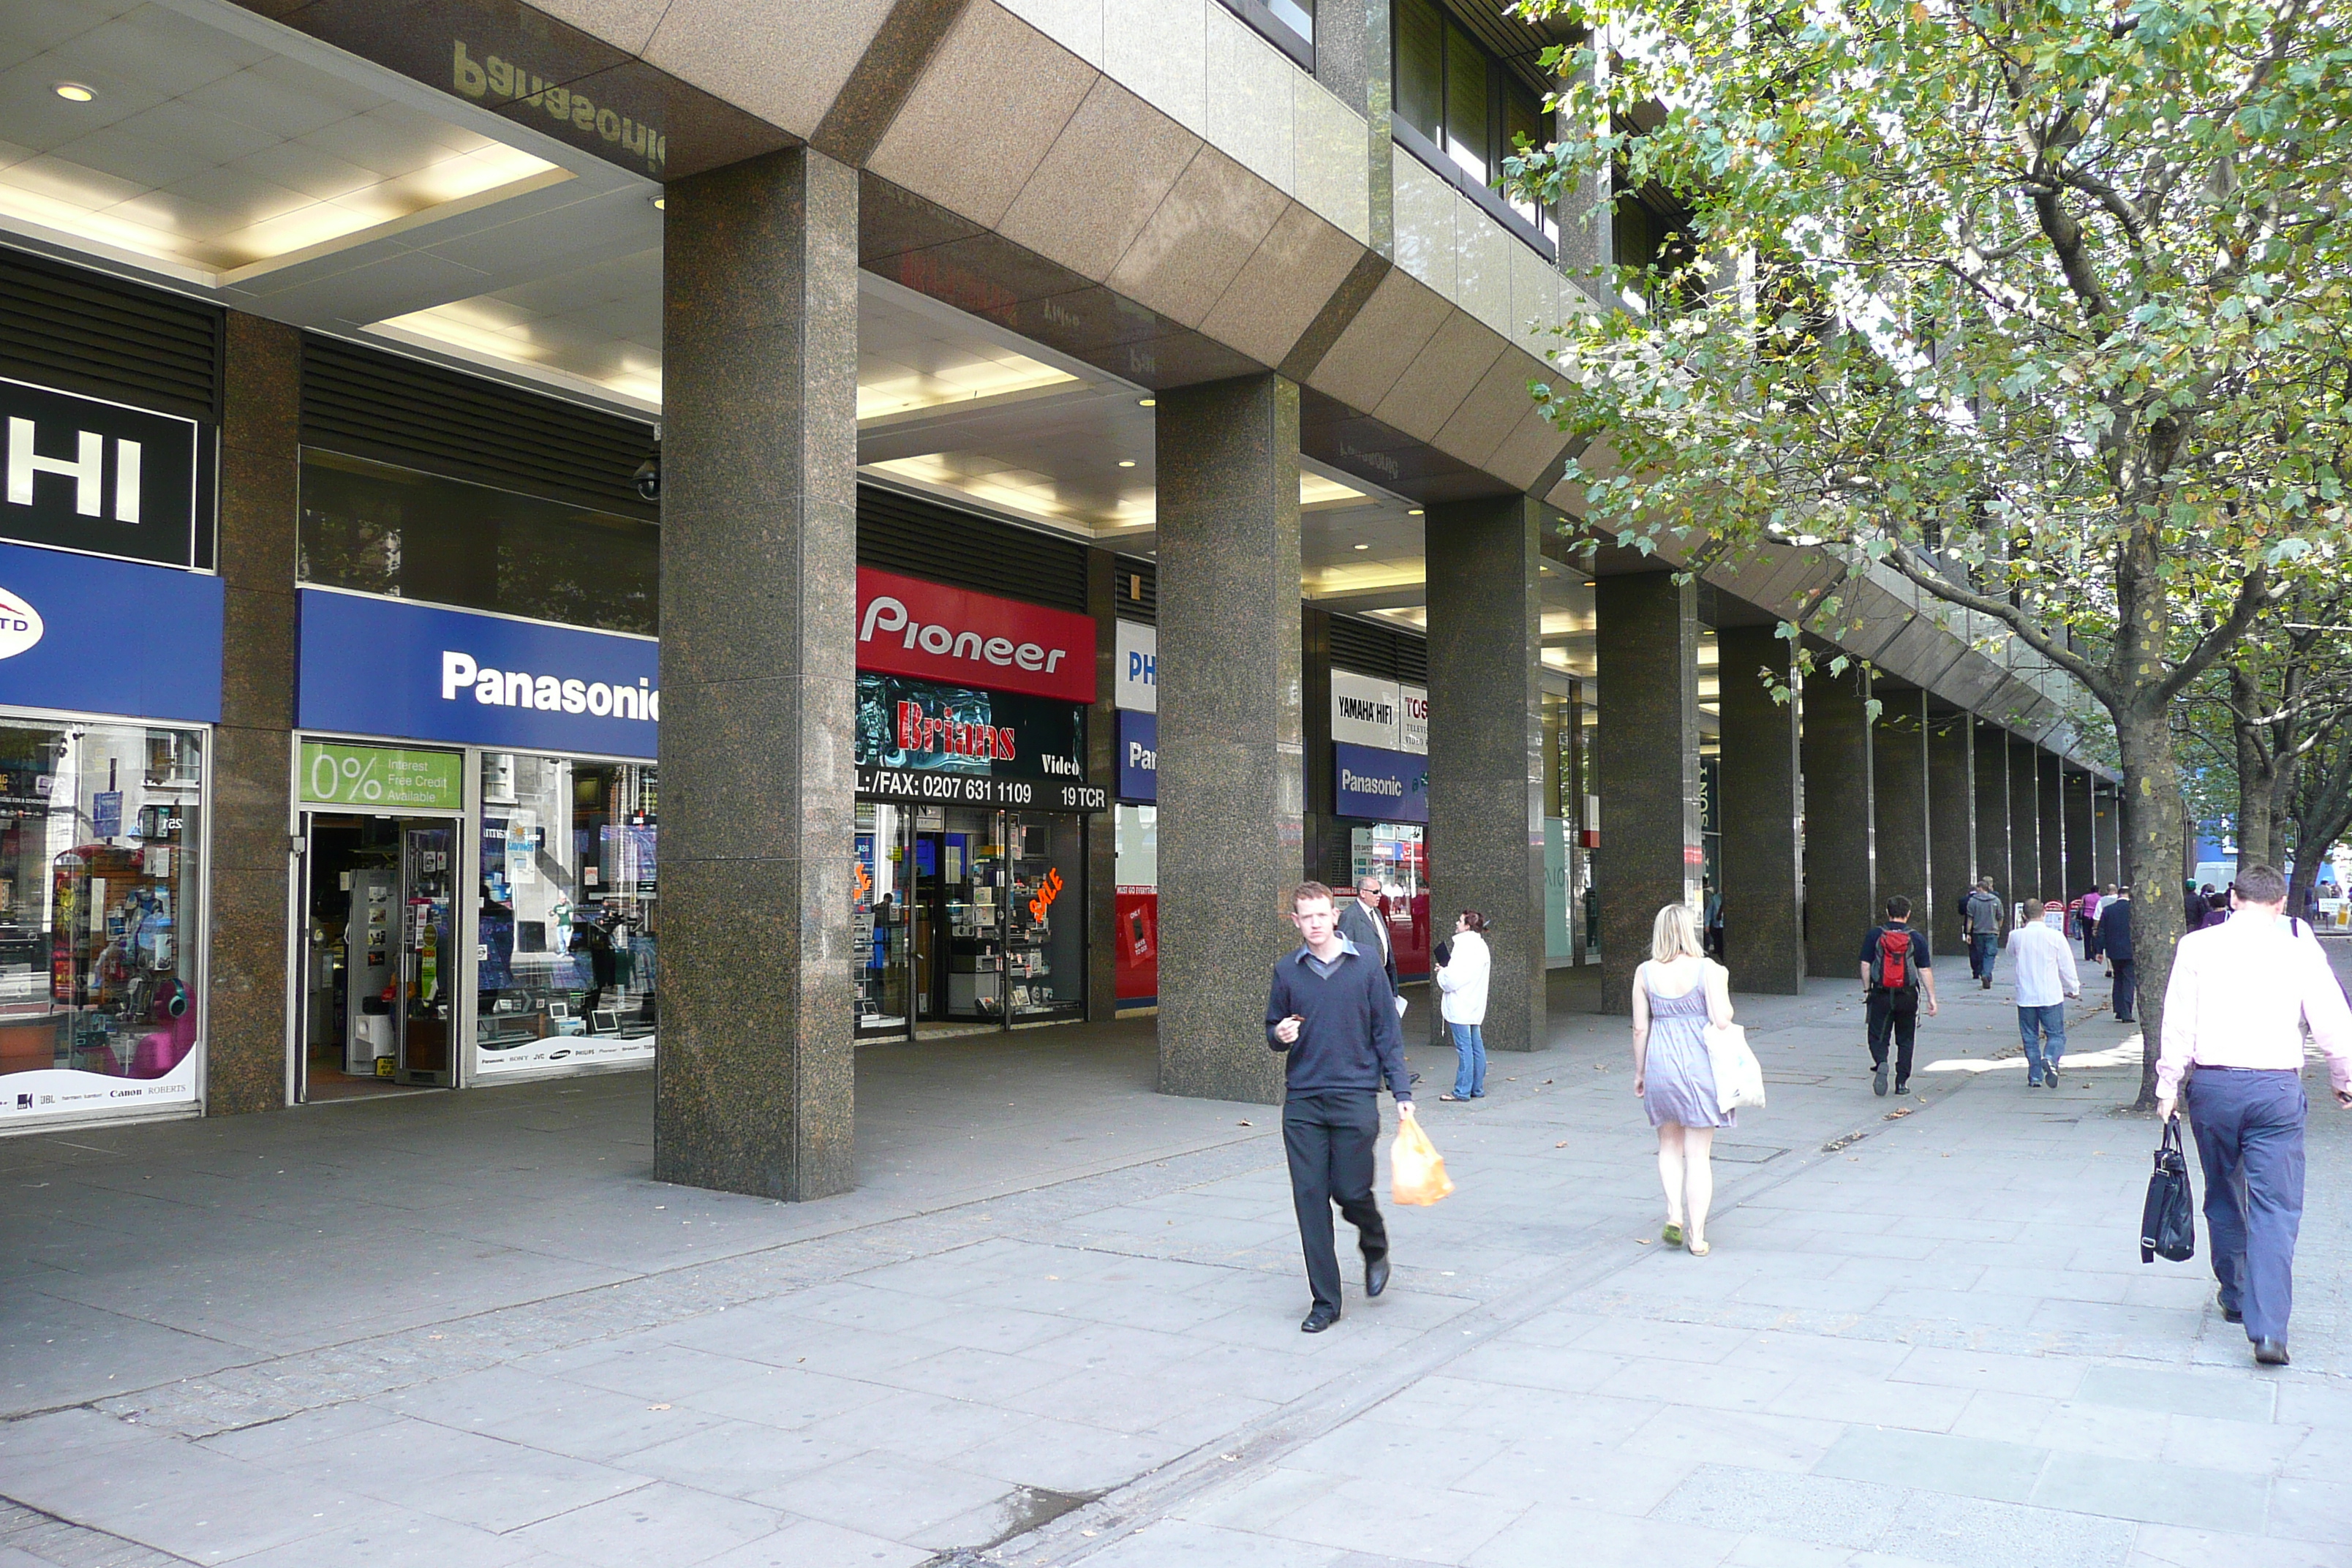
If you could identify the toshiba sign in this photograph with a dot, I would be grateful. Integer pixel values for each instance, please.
(909, 626)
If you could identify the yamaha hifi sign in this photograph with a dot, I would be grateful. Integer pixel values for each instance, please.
(99, 477)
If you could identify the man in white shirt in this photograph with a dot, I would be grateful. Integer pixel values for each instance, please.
(2234, 1012)
(2046, 976)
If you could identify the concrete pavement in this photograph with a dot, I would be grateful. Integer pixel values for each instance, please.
(1057, 1323)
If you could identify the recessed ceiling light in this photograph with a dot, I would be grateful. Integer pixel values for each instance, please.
(1590, 583)
(1412, 512)
(1127, 462)
(73, 91)
(1363, 547)
(1147, 402)
(660, 203)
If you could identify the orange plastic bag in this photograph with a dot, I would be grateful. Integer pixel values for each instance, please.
(1416, 1170)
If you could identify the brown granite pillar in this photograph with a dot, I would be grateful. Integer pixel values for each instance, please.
(2081, 856)
(2107, 819)
(1102, 768)
(246, 979)
(2050, 793)
(1991, 743)
(1951, 824)
(1841, 841)
(1485, 748)
(2024, 822)
(1231, 772)
(759, 592)
(1646, 642)
(1761, 804)
(1898, 763)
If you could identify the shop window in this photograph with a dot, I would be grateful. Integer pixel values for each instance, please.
(568, 959)
(377, 528)
(99, 844)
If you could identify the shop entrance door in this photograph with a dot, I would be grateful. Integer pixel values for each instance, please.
(381, 970)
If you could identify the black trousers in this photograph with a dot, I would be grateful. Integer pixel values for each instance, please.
(2126, 988)
(1899, 1023)
(1329, 1138)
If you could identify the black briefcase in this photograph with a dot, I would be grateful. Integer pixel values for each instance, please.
(2168, 1221)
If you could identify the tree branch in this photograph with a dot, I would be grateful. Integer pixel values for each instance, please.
(1906, 560)
(2253, 593)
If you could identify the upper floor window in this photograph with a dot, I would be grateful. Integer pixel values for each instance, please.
(1464, 101)
(1288, 24)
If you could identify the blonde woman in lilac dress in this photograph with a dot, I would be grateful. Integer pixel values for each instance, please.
(1676, 995)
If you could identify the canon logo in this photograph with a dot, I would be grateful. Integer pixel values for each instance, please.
(884, 614)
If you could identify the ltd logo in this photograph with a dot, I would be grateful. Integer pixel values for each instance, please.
(20, 625)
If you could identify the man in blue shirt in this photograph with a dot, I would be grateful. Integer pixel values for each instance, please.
(1332, 1013)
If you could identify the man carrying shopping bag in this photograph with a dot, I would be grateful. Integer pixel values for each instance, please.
(1333, 1015)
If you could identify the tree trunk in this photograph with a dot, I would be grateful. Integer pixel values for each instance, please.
(2282, 780)
(2152, 784)
(2257, 777)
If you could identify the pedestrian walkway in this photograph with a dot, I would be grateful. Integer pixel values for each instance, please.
(1057, 1323)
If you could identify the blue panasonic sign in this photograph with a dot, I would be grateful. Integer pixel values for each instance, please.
(385, 666)
(90, 634)
(1139, 757)
(1389, 786)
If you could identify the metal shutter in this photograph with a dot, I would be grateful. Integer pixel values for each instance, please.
(1138, 590)
(403, 411)
(79, 332)
(1371, 649)
(920, 538)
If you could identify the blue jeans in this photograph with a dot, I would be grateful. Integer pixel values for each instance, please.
(1470, 1051)
(2036, 1024)
(1980, 956)
(2249, 1129)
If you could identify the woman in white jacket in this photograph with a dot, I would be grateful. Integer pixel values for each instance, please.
(1462, 979)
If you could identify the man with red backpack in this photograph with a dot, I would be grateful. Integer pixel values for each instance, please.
(1895, 973)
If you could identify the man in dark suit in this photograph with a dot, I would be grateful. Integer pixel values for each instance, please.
(2115, 941)
(1365, 924)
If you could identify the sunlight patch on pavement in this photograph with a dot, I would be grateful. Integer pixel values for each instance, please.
(2128, 1053)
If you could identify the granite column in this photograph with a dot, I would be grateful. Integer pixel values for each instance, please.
(2050, 793)
(1231, 771)
(1991, 747)
(1647, 760)
(1102, 768)
(754, 1082)
(1898, 759)
(1841, 839)
(2024, 820)
(1761, 806)
(1951, 825)
(247, 1066)
(2082, 847)
(1485, 748)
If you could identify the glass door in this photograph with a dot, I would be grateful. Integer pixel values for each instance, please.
(882, 921)
(427, 975)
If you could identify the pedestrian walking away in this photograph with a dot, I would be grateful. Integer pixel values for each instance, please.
(1981, 918)
(1894, 975)
(2043, 967)
(2094, 945)
(2115, 941)
(1461, 985)
(1365, 924)
(1676, 995)
(1332, 1014)
(2087, 926)
(2241, 997)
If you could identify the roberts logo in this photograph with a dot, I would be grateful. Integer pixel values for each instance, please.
(20, 625)
(884, 614)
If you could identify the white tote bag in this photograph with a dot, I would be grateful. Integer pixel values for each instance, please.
(1738, 1075)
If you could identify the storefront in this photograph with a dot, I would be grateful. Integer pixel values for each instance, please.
(972, 804)
(1379, 793)
(1135, 925)
(109, 688)
(477, 806)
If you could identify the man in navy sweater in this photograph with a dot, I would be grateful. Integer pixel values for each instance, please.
(1333, 1013)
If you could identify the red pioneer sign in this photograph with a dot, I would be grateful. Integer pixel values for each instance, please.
(909, 626)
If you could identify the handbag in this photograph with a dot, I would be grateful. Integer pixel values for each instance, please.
(1738, 1075)
(2168, 1220)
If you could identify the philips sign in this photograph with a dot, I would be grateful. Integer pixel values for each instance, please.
(929, 631)
(385, 666)
(1138, 667)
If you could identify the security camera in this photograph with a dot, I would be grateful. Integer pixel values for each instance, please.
(647, 478)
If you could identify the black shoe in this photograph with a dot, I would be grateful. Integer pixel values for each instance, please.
(1878, 1081)
(2229, 1314)
(1902, 1089)
(2270, 1353)
(1376, 1274)
(1320, 1318)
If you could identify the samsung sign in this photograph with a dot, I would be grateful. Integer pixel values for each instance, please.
(100, 478)
(385, 666)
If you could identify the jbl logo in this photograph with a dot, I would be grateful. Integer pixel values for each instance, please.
(87, 469)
